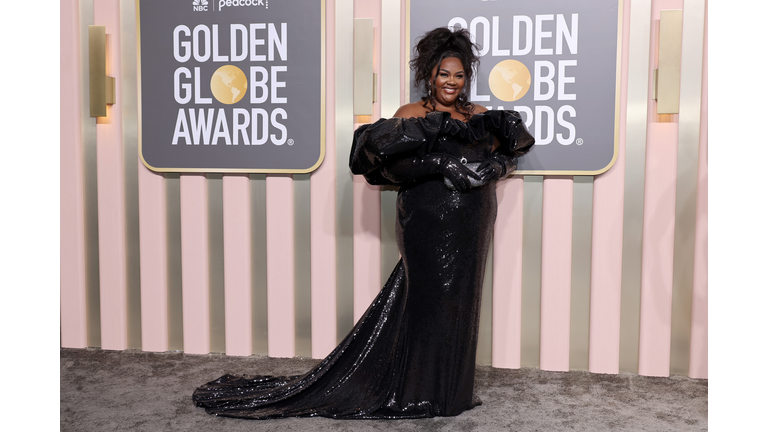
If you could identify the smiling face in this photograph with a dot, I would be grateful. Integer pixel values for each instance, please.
(448, 79)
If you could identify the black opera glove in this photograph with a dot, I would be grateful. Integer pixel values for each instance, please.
(497, 167)
(413, 169)
(458, 173)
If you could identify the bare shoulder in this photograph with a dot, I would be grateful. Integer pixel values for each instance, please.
(477, 109)
(413, 109)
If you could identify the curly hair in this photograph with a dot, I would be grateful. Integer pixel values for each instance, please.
(432, 48)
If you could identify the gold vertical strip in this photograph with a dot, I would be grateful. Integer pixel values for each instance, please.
(344, 132)
(581, 275)
(407, 53)
(216, 260)
(302, 265)
(129, 103)
(375, 88)
(533, 192)
(634, 183)
(390, 102)
(687, 179)
(93, 295)
(670, 46)
(485, 336)
(259, 263)
(173, 229)
(97, 70)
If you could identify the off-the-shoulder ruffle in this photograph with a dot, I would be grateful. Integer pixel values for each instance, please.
(507, 126)
(374, 143)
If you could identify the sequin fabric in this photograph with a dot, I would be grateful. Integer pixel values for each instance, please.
(412, 353)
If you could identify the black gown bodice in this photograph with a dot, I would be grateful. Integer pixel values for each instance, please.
(386, 140)
(412, 353)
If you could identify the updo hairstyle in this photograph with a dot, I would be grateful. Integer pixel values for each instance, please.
(431, 49)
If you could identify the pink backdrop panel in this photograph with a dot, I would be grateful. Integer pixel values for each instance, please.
(323, 208)
(556, 250)
(607, 235)
(507, 275)
(153, 257)
(195, 271)
(366, 203)
(281, 324)
(111, 194)
(237, 264)
(658, 249)
(74, 333)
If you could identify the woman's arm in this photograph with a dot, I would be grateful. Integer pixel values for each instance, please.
(414, 169)
(498, 165)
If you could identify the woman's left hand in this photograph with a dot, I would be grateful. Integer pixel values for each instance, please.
(496, 167)
(491, 169)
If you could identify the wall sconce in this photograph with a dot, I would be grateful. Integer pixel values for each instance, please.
(364, 80)
(666, 79)
(101, 86)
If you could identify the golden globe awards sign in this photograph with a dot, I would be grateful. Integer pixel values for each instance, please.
(231, 85)
(554, 61)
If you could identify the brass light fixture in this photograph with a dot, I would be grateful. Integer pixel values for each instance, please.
(364, 80)
(666, 79)
(101, 87)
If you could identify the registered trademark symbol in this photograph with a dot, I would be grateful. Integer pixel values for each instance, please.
(579, 141)
(290, 142)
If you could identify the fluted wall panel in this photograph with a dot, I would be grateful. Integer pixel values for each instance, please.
(195, 271)
(507, 279)
(556, 248)
(237, 264)
(110, 173)
(699, 332)
(74, 331)
(280, 265)
(608, 233)
(323, 207)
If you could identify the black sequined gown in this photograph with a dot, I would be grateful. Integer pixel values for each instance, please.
(412, 353)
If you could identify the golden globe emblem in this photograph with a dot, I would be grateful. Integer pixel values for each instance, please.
(228, 84)
(509, 80)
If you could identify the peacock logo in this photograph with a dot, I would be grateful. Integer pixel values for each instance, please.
(200, 5)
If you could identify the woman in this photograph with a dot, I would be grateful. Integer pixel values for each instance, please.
(412, 354)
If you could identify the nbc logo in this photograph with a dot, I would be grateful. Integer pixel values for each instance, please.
(200, 5)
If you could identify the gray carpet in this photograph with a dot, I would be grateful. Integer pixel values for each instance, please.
(140, 391)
